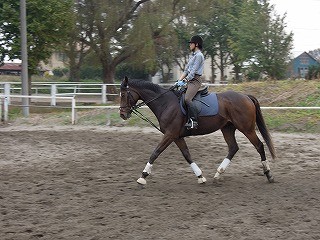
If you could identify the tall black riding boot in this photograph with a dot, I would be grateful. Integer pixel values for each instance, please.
(192, 117)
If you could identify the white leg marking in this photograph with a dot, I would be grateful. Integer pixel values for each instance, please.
(197, 171)
(265, 165)
(148, 168)
(222, 168)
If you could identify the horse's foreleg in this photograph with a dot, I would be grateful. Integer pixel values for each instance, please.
(165, 142)
(182, 145)
(229, 135)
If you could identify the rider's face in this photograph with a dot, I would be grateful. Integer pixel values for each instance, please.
(192, 46)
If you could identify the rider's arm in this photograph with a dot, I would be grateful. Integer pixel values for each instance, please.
(182, 76)
(196, 67)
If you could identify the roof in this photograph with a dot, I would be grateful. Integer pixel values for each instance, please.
(11, 67)
(309, 55)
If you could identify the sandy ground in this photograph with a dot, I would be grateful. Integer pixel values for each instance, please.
(80, 183)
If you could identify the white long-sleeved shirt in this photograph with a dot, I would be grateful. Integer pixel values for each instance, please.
(195, 65)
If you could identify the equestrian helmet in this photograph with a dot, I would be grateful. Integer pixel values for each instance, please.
(197, 40)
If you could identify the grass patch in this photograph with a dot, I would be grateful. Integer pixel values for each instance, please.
(293, 120)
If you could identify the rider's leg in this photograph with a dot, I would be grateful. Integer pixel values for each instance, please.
(192, 89)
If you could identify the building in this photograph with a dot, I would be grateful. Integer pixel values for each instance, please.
(11, 69)
(57, 60)
(298, 67)
(207, 73)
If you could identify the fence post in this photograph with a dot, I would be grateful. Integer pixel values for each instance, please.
(5, 109)
(73, 111)
(1, 106)
(7, 90)
(53, 94)
(104, 93)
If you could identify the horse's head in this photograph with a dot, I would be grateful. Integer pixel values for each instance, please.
(128, 99)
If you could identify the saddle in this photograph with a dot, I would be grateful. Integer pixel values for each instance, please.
(206, 103)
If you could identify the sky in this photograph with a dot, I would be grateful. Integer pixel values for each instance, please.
(303, 19)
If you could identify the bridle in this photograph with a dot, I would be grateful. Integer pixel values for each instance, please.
(129, 104)
(134, 108)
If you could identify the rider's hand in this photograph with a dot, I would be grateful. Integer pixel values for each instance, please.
(180, 83)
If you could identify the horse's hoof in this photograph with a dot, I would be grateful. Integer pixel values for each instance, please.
(269, 176)
(142, 181)
(202, 180)
(216, 176)
(271, 179)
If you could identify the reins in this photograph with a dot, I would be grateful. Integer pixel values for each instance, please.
(140, 115)
(134, 109)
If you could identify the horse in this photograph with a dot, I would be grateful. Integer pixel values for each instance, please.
(236, 111)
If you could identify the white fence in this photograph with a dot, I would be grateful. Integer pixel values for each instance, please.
(57, 92)
(4, 104)
(74, 89)
(56, 89)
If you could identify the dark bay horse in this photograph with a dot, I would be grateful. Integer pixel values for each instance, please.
(236, 111)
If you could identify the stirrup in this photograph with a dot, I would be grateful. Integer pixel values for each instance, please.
(191, 124)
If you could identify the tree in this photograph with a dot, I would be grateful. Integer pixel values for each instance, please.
(215, 26)
(48, 23)
(187, 24)
(75, 49)
(110, 28)
(313, 72)
(273, 54)
(264, 45)
(131, 31)
(316, 54)
(171, 24)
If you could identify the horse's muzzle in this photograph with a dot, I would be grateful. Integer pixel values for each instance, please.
(124, 114)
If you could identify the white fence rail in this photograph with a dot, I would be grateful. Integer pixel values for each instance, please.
(4, 104)
(57, 89)
(57, 92)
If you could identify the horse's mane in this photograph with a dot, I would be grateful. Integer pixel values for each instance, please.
(142, 84)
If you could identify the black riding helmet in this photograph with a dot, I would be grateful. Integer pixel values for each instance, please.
(197, 40)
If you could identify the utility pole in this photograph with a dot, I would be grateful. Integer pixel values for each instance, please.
(24, 58)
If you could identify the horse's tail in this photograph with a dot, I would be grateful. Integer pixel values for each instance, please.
(262, 126)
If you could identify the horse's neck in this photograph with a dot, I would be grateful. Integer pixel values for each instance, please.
(157, 101)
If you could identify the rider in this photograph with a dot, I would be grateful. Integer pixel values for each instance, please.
(191, 75)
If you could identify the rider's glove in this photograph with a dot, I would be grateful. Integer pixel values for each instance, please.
(180, 83)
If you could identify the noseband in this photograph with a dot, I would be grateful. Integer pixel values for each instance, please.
(129, 104)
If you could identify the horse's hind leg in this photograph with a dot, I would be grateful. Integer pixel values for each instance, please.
(228, 132)
(252, 136)
(182, 145)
